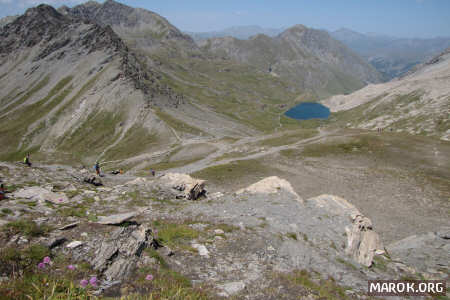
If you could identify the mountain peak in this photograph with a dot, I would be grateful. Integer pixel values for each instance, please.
(43, 10)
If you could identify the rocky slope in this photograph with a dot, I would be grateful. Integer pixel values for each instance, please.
(391, 56)
(6, 20)
(73, 90)
(144, 28)
(264, 242)
(418, 103)
(69, 85)
(309, 58)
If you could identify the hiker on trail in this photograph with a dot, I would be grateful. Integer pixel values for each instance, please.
(153, 172)
(97, 168)
(26, 160)
(3, 192)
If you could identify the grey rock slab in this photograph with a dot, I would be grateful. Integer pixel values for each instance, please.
(116, 219)
(202, 250)
(41, 195)
(119, 253)
(55, 242)
(74, 244)
(232, 288)
(69, 226)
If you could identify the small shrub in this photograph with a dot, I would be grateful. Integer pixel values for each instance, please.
(26, 227)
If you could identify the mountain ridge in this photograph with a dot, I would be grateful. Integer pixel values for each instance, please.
(325, 61)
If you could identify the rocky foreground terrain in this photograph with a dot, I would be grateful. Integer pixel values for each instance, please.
(245, 203)
(174, 236)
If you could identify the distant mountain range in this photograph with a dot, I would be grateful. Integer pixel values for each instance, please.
(391, 56)
(309, 58)
(239, 32)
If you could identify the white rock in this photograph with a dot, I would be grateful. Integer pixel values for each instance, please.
(232, 288)
(74, 244)
(202, 251)
(219, 231)
(40, 194)
(270, 185)
(116, 219)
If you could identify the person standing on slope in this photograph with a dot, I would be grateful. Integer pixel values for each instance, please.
(26, 160)
(97, 168)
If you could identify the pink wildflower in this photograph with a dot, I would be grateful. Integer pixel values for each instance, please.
(46, 260)
(41, 265)
(93, 281)
(149, 277)
(71, 267)
(84, 283)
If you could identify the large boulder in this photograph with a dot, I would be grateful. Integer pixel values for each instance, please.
(116, 219)
(270, 185)
(41, 195)
(363, 243)
(192, 188)
(118, 254)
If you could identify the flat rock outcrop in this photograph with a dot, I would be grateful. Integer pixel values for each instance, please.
(41, 195)
(363, 243)
(192, 188)
(118, 254)
(270, 185)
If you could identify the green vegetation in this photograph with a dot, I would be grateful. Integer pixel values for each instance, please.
(167, 284)
(178, 125)
(41, 84)
(380, 263)
(323, 288)
(236, 91)
(358, 145)
(165, 164)
(292, 235)
(97, 131)
(51, 282)
(79, 211)
(7, 211)
(26, 227)
(346, 263)
(290, 137)
(175, 235)
(86, 87)
(136, 140)
(233, 172)
(17, 124)
(13, 259)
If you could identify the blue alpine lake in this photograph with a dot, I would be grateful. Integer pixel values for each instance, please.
(308, 110)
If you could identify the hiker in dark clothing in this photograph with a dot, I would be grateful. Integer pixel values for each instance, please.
(2, 192)
(153, 172)
(26, 160)
(97, 168)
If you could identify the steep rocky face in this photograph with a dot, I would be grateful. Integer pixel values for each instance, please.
(309, 58)
(140, 24)
(392, 57)
(63, 79)
(6, 20)
(418, 103)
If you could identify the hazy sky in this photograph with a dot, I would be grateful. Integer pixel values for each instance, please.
(406, 18)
